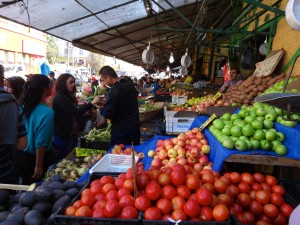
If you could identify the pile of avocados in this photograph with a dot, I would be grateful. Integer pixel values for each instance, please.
(40, 205)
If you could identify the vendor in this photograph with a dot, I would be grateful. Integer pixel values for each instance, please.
(234, 80)
(121, 107)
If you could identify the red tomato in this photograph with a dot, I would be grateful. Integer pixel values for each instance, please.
(179, 214)
(215, 201)
(107, 180)
(244, 188)
(129, 174)
(217, 174)
(84, 211)
(244, 199)
(263, 217)
(241, 218)
(166, 217)
(220, 186)
(226, 180)
(232, 191)
(178, 167)
(96, 187)
(141, 181)
(152, 213)
(225, 199)
(164, 179)
(77, 204)
(87, 191)
(129, 212)
(183, 191)
(252, 195)
(191, 208)
(178, 177)
(98, 213)
(193, 196)
(87, 200)
(235, 177)
(122, 192)
(153, 174)
(107, 187)
(265, 187)
(259, 178)
(286, 210)
(126, 200)
(177, 202)
(204, 196)
(256, 187)
(168, 192)
(142, 203)
(247, 178)
(238, 208)
(261, 222)
(112, 209)
(256, 208)
(164, 205)
(206, 213)
(270, 210)
(250, 218)
(192, 182)
(112, 195)
(129, 184)
(270, 180)
(119, 183)
(166, 170)
(99, 205)
(263, 196)
(280, 219)
(277, 199)
(70, 211)
(153, 190)
(220, 213)
(208, 178)
(278, 189)
(209, 186)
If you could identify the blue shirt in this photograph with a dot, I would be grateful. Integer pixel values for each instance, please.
(39, 128)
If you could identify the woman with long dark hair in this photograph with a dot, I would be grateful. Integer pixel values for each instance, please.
(68, 120)
(15, 86)
(32, 163)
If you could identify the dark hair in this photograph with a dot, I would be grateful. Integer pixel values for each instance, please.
(1, 72)
(61, 87)
(17, 84)
(34, 88)
(234, 68)
(51, 73)
(108, 71)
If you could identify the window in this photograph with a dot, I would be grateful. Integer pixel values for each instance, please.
(19, 69)
(80, 52)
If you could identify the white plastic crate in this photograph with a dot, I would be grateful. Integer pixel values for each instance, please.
(178, 124)
(113, 163)
(168, 113)
(179, 99)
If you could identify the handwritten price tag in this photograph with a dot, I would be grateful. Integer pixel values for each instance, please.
(218, 95)
(208, 121)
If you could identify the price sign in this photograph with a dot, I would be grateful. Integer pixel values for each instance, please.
(207, 122)
(218, 95)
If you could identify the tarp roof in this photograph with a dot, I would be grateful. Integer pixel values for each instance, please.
(123, 28)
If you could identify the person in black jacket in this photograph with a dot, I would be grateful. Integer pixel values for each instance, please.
(121, 108)
(68, 120)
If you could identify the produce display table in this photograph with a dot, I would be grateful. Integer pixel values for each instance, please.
(219, 154)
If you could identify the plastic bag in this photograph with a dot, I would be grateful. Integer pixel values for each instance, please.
(100, 121)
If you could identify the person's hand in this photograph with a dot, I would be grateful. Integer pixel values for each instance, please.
(38, 172)
(96, 100)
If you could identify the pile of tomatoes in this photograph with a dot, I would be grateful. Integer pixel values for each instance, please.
(181, 193)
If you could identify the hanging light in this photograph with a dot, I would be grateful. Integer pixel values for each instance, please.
(171, 59)
(168, 68)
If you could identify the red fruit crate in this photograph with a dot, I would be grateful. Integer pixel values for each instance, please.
(165, 222)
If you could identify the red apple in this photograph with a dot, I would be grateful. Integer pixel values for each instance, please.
(194, 141)
(175, 141)
(181, 142)
(181, 151)
(191, 161)
(182, 161)
(198, 167)
(205, 149)
(195, 152)
(195, 130)
(188, 154)
(165, 162)
(203, 160)
(182, 136)
(204, 141)
(163, 154)
(172, 153)
(157, 163)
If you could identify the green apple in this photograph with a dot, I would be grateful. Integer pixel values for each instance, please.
(257, 124)
(281, 150)
(271, 135)
(236, 131)
(258, 105)
(280, 136)
(275, 143)
(252, 113)
(255, 144)
(228, 143)
(265, 145)
(234, 117)
(260, 118)
(260, 112)
(243, 113)
(279, 119)
(278, 111)
(249, 144)
(239, 122)
(248, 119)
(241, 145)
(270, 116)
(226, 116)
(243, 138)
(226, 131)
(273, 129)
(234, 138)
(268, 124)
(248, 130)
(233, 104)
(295, 116)
(219, 124)
(259, 135)
(289, 123)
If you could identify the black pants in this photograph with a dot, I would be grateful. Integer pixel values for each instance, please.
(24, 164)
(126, 134)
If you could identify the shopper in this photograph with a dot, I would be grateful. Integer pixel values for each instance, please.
(121, 108)
(33, 162)
(15, 86)
(68, 120)
(2, 87)
(101, 89)
(234, 80)
(52, 78)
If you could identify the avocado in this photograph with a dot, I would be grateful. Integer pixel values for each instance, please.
(34, 217)
(43, 194)
(61, 203)
(57, 194)
(4, 197)
(70, 184)
(16, 217)
(72, 192)
(3, 215)
(9, 222)
(57, 177)
(14, 207)
(26, 199)
(56, 185)
(23, 210)
(43, 207)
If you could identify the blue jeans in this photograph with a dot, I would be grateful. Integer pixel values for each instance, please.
(64, 146)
